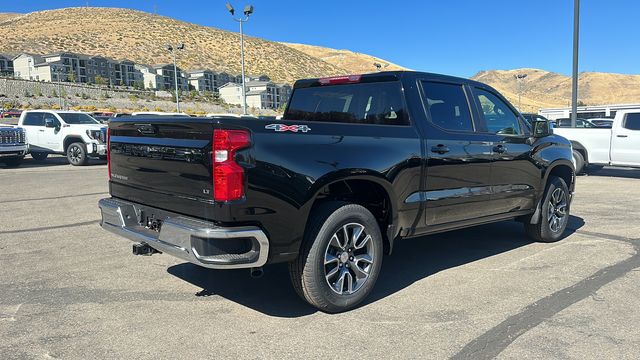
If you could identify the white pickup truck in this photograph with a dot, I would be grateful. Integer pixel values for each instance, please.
(74, 134)
(597, 147)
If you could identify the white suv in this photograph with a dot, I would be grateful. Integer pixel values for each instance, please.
(74, 134)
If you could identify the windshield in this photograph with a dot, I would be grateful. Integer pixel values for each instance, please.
(77, 118)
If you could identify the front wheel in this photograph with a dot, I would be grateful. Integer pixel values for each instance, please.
(77, 154)
(554, 215)
(340, 257)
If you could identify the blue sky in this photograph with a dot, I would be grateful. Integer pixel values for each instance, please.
(451, 37)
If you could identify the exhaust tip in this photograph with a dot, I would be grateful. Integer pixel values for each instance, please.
(256, 272)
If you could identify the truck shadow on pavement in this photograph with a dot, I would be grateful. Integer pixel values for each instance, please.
(628, 173)
(53, 161)
(412, 260)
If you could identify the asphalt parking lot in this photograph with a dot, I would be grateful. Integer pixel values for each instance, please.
(69, 290)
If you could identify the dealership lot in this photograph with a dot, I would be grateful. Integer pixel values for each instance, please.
(70, 290)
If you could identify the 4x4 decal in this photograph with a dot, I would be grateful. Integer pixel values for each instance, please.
(292, 128)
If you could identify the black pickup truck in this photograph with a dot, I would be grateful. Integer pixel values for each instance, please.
(356, 163)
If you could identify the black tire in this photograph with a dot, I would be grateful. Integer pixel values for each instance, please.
(13, 162)
(39, 156)
(77, 154)
(543, 231)
(578, 161)
(309, 271)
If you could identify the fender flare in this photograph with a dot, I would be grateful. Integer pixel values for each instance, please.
(359, 174)
(535, 218)
(578, 146)
(71, 136)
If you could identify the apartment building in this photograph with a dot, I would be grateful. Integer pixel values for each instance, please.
(260, 94)
(36, 68)
(166, 71)
(6, 64)
(202, 80)
(150, 77)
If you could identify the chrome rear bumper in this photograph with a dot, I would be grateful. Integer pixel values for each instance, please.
(197, 241)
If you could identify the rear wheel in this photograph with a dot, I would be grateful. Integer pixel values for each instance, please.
(554, 215)
(39, 156)
(578, 161)
(77, 154)
(340, 257)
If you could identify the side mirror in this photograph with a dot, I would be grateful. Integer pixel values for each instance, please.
(541, 128)
(49, 123)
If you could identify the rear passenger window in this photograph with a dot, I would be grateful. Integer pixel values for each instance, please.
(33, 119)
(632, 121)
(498, 115)
(448, 106)
(378, 103)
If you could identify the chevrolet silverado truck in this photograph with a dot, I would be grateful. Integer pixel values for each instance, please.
(595, 147)
(74, 134)
(13, 145)
(355, 164)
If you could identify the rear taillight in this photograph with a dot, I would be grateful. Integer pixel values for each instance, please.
(228, 176)
(337, 80)
(109, 152)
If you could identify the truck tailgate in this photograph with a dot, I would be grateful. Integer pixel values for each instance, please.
(161, 161)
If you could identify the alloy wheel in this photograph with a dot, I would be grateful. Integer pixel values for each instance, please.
(349, 258)
(557, 210)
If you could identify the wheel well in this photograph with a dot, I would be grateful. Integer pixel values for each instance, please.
(70, 140)
(564, 172)
(366, 193)
(579, 148)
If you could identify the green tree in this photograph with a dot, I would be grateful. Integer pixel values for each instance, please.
(71, 76)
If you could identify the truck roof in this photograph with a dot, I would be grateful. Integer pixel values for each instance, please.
(389, 76)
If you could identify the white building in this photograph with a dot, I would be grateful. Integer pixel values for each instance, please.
(260, 94)
(587, 112)
(166, 71)
(150, 77)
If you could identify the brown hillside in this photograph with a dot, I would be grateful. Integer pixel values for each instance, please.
(7, 16)
(139, 36)
(546, 89)
(352, 62)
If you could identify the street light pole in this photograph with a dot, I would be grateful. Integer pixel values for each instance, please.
(248, 10)
(172, 49)
(519, 78)
(574, 75)
(60, 103)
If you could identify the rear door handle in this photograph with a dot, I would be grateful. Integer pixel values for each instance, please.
(440, 149)
(41, 130)
(499, 149)
(622, 135)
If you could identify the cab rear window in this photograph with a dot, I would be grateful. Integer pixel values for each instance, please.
(378, 103)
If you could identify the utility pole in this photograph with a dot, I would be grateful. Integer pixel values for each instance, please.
(173, 49)
(248, 10)
(574, 75)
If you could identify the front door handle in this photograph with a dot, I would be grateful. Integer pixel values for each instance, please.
(440, 149)
(41, 130)
(499, 149)
(622, 135)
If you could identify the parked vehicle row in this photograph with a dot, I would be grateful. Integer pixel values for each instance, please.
(615, 146)
(355, 164)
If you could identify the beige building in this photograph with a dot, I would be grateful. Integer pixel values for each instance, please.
(36, 68)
